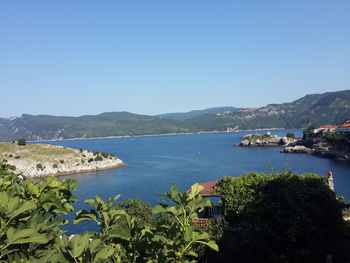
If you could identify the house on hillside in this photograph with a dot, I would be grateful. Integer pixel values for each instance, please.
(344, 128)
(209, 212)
(326, 128)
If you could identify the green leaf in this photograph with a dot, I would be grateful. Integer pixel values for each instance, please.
(13, 235)
(120, 231)
(33, 189)
(104, 253)
(40, 239)
(28, 235)
(211, 244)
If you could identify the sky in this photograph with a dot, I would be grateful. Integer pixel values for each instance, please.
(87, 57)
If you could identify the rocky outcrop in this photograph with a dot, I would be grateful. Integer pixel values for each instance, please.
(40, 160)
(331, 146)
(297, 149)
(266, 140)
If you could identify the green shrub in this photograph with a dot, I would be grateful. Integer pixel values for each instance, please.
(39, 166)
(104, 155)
(90, 160)
(289, 216)
(82, 161)
(98, 158)
(22, 142)
(309, 132)
(17, 157)
(334, 138)
(290, 135)
(55, 165)
(140, 210)
(12, 167)
(61, 161)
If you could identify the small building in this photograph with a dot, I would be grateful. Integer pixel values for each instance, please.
(209, 212)
(329, 128)
(344, 128)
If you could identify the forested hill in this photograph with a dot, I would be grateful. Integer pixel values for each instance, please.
(102, 125)
(195, 113)
(316, 109)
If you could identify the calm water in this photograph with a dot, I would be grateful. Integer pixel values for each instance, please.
(154, 163)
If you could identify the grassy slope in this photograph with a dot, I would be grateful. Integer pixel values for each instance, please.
(38, 153)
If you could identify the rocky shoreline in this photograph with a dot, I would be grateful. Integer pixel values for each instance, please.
(266, 140)
(323, 152)
(332, 146)
(41, 160)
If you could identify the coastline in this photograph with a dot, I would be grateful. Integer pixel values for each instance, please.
(158, 135)
(79, 172)
(42, 160)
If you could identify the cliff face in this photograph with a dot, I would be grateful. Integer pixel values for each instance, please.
(35, 160)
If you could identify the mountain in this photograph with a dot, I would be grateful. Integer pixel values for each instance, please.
(43, 127)
(315, 109)
(195, 113)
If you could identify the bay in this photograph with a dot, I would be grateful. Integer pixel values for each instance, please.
(155, 163)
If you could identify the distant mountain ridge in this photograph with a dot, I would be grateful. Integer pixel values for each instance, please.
(315, 109)
(195, 113)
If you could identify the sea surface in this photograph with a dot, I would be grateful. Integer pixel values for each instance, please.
(155, 163)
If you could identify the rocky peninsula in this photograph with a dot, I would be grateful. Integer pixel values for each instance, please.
(40, 160)
(265, 140)
(332, 145)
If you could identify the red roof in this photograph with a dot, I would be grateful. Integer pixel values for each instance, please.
(347, 124)
(329, 126)
(208, 188)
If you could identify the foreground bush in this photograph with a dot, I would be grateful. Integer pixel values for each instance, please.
(282, 217)
(30, 220)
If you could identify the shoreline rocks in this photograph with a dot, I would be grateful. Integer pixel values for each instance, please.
(266, 140)
(297, 149)
(319, 150)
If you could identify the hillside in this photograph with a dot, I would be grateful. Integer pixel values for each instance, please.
(44, 127)
(316, 109)
(195, 113)
(33, 160)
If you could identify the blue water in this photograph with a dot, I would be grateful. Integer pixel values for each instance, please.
(155, 163)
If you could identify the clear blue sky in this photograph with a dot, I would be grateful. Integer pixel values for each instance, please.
(87, 57)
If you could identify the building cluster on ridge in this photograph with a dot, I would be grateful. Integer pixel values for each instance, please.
(343, 128)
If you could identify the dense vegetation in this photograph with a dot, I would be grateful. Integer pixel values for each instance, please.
(281, 217)
(196, 113)
(317, 109)
(31, 216)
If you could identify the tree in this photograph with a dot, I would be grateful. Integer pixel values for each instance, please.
(290, 135)
(140, 210)
(285, 217)
(22, 142)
